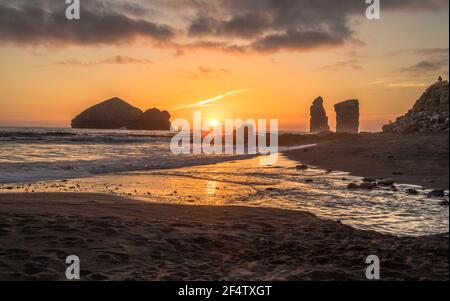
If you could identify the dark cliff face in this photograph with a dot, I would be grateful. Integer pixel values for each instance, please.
(116, 113)
(319, 118)
(429, 114)
(152, 119)
(347, 116)
(110, 114)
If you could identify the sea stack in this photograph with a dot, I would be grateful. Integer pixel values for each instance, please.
(347, 116)
(113, 113)
(319, 119)
(152, 119)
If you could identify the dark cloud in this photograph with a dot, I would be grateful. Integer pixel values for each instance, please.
(425, 68)
(300, 40)
(430, 61)
(242, 26)
(274, 25)
(226, 25)
(420, 52)
(44, 22)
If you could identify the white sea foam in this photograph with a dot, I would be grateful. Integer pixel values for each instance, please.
(32, 154)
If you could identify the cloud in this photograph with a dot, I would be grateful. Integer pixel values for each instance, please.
(237, 26)
(211, 100)
(208, 70)
(406, 85)
(44, 22)
(119, 59)
(429, 61)
(430, 67)
(351, 64)
(204, 72)
(424, 52)
(300, 40)
(247, 25)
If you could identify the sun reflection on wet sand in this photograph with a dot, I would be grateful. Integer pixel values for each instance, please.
(246, 183)
(211, 188)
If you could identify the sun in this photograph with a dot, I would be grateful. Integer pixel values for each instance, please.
(214, 122)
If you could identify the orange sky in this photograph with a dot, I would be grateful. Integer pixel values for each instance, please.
(386, 64)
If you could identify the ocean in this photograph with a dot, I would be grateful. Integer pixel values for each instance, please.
(35, 154)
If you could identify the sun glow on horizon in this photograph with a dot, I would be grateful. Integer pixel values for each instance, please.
(214, 122)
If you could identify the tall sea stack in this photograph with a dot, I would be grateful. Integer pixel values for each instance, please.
(319, 119)
(347, 116)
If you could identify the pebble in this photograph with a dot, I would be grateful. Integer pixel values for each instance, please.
(436, 193)
(302, 167)
(386, 182)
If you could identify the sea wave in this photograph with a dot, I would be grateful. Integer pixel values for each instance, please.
(48, 154)
(37, 135)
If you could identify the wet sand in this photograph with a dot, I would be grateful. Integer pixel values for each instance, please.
(284, 186)
(421, 159)
(124, 239)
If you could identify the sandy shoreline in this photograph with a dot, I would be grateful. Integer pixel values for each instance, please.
(123, 239)
(420, 159)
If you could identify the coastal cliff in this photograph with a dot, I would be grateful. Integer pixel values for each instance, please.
(428, 115)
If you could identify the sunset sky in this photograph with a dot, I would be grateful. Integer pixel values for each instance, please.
(170, 54)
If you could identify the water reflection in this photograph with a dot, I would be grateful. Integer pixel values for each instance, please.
(282, 186)
(211, 188)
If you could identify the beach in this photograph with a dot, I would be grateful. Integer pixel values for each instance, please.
(420, 159)
(122, 239)
(232, 218)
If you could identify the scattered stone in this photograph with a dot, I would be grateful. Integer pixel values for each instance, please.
(368, 186)
(386, 182)
(353, 186)
(412, 191)
(438, 193)
(302, 167)
(369, 180)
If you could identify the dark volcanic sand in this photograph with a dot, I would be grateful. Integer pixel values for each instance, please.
(420, 159)
(122, 239)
